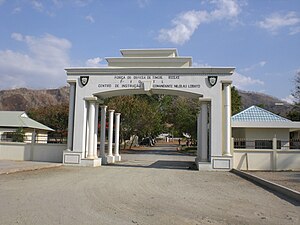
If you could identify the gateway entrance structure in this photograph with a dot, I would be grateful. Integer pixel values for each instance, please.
(149, 71)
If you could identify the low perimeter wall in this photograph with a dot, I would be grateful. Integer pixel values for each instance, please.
(32, 152)
(272, 160)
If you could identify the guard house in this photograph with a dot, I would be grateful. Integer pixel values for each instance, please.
(11, 121)
(149, 71)
(263, 140)
(256, 127)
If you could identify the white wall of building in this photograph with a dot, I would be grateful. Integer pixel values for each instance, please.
(267, 133)
(33, 152)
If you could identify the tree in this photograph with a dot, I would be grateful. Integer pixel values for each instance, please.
(140, 115)
(296, 92)
(182, 115)
(294, 114)
(53, 116)
(18, 135)
(236, 103)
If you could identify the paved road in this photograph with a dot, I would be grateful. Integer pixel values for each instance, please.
(144, 189)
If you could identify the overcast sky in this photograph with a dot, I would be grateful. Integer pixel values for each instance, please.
(261, 38)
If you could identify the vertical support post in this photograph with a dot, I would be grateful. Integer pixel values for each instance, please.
(96, 130)
(274, 144)
(84, 130)
(71, 115)
(110, 157)
(117, 136)
(227, 118)
(199, 141)
(204, 131)
(91, 124)
(33, 137)
(102, 133)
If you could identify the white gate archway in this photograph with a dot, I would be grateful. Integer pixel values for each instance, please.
(150, 71)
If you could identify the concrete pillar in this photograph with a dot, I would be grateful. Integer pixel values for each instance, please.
(110, 157)
(91, 125)
(84, 129)
(33, 137)
(96, 130)
(274, 144)
(117, 136)
(71, 115)
(102, 133)
(227, 118)
(198, 137)
(204, 131)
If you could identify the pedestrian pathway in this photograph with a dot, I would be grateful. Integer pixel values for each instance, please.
(161, 156)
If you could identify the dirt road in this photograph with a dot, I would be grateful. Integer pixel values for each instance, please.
(147, 188)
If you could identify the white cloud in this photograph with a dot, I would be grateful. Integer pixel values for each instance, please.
(37, 5)
(185, 24)
(294, 30)
(255, 66)
(143, 3)
(276, 21)
(2, 1)
(58, 3)
(82, 3)
(290, 99)
(41, 66)
(245, 82)
(90, 19)
(17, 36)
(94, 62)
(16, 10)
(200, 64)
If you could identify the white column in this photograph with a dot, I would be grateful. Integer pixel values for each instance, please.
(91, 130)
(102, 133)
(204, 131)
(96, 130)
(198, 136)
(84, 129)
(227, 118)
(110, 157)
(117, 136)
(71, 115)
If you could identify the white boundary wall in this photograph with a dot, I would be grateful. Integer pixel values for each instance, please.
(32, 152)
(272, 160)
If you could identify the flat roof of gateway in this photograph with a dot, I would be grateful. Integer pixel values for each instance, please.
(152, 52)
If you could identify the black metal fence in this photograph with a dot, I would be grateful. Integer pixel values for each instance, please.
(241, 143)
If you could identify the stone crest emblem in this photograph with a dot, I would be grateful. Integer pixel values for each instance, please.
(84, 80)
(212, 80)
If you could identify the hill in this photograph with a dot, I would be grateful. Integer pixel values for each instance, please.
(265, 101)
(25, 99)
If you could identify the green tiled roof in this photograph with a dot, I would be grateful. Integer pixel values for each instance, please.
(257, 114)
(20, 119)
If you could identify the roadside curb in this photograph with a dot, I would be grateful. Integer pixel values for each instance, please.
(292, 194)
(31, 168)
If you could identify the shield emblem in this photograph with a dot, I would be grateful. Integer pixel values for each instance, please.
(84, 80)
(212, 80)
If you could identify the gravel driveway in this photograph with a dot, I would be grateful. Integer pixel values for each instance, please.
(147, 188)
